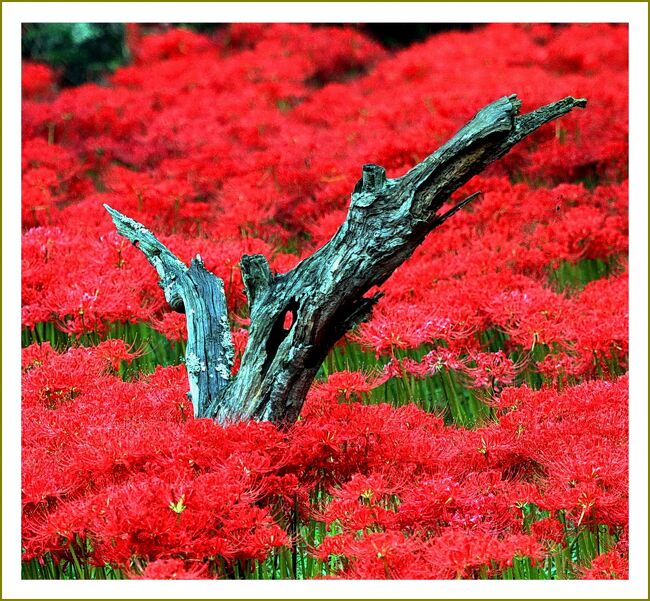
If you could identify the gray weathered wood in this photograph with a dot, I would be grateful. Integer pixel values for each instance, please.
(324, 293)
(200, 295)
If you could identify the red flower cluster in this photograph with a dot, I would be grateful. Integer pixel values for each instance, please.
(37, 81)
(513, 313)
(125, 466)
(119, 464)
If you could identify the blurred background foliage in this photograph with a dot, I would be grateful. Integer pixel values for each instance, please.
(86, 52)
(80, 51)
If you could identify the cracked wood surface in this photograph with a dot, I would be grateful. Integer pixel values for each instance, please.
(325, 293)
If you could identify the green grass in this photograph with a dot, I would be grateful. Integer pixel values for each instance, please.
(69, 565)
(155, 349)
(441, 393)
(570, 277)
(444, 393)
(563, 561)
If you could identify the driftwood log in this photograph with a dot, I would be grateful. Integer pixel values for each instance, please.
(324, 293)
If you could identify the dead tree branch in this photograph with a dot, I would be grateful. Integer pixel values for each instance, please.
(324, 293)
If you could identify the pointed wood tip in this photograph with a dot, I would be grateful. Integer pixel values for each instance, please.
(116, 216)
(111, 211)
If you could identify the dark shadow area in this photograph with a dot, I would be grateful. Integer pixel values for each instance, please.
(79, 52)
(399, 35)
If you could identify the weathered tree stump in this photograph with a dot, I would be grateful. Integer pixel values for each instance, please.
(324, 293)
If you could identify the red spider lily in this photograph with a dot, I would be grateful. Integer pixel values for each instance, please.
(153, 492)
(493, 370)
(172, 325)
(240, 144)
(548, 530)
(347, 385)
(608, 566)
(173, 569)
(37, 80)
(459, 552)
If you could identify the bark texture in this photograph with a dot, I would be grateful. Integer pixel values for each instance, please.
(325, 293)
(200, 295)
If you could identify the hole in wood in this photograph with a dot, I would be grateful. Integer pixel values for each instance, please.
(279, 331)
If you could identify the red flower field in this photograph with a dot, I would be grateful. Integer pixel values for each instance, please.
(475, 427)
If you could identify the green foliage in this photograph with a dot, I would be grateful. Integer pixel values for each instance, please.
(155, 349)
(83, 51)
(570, 277)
